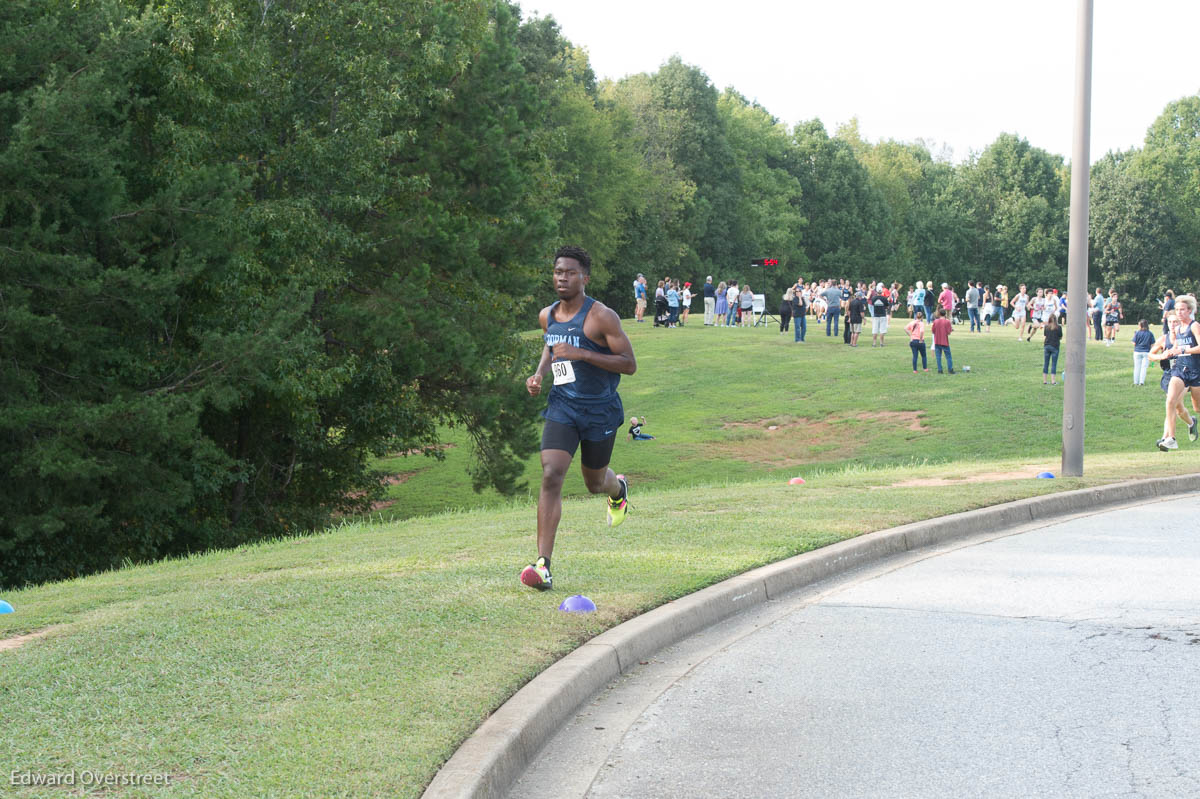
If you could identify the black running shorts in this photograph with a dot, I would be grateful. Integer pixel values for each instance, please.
(593, 455)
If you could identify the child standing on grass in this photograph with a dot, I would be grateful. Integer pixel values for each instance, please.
(1143, 340)
(1053, 340)
(916, 340)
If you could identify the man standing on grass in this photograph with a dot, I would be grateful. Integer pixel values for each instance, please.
(974, 297)
(881, 309)
(710, 302)
(946, 299)
(799, 309)
(833, 307)
(587, 352)
(639, 296)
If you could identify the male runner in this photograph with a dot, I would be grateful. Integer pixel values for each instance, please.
(587, 352)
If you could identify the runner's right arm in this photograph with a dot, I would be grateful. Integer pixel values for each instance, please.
(533, 384)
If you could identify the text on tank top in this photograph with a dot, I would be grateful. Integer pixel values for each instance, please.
(592, 385)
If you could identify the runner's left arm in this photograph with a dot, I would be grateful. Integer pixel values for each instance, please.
(609, 333)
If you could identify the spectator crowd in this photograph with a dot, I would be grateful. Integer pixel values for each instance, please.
(845, 306)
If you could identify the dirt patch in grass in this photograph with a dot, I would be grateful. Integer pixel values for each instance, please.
(389, 480)
(794, 441)
(1020, 473)
(421, 451)
(392, 480)
(19, 640)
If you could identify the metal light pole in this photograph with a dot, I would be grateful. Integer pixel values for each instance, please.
(1077, 253)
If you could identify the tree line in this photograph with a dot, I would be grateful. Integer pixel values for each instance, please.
(247, 245)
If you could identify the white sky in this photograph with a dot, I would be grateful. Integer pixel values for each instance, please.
(952, 72)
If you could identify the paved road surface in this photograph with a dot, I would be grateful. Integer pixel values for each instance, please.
(1056, 661)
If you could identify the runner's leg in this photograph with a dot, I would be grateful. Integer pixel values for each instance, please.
(555, 463)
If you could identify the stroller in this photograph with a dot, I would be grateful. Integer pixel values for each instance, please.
(662, 312)
(960, 307)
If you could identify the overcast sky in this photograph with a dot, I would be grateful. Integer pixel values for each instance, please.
(952, 72)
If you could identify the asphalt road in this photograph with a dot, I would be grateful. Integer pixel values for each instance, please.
(1059, 661)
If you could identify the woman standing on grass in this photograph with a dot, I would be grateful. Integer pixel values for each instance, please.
(746, 304)
(660, 304)
(1143, 341)
(722, 306)
(1053, 340)
(785, 309)
(916, 340)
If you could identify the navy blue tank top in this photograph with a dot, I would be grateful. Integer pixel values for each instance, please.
(593, 385)
(1186, 339)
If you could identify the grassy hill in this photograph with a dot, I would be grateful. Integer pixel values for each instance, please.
(731, 405)
(354, 661)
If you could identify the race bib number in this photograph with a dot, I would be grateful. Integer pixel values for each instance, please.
(564, 372)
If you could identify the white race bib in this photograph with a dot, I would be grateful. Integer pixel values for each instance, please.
(564, 372)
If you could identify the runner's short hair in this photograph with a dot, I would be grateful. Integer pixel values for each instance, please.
(577, 253)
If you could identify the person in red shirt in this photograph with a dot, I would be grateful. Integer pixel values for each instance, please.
(941, 340)
(946, 300)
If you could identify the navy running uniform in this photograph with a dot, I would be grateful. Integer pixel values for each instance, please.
(1185, 366)
(588, 409)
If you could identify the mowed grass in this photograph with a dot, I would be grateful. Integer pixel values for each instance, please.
(353, 662)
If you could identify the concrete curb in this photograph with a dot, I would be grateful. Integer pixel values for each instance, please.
(503, 747)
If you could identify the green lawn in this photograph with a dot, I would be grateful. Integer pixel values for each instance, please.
(354, 662)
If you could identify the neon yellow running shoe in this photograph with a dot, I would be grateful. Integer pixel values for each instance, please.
(618, 507)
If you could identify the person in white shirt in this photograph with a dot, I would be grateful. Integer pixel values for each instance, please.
(731, 296)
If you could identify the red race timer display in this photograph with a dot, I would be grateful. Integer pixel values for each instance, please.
(765, 262)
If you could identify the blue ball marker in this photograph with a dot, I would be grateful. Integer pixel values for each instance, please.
(577, 604)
